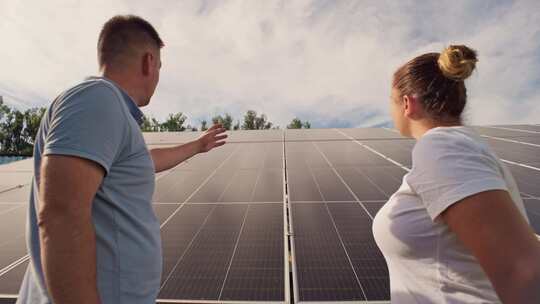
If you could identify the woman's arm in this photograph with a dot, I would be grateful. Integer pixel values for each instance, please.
(490, 225)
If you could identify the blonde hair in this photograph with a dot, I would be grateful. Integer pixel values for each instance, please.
(437, 79)
(457, 62)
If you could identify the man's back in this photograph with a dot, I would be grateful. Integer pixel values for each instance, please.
(96, 120)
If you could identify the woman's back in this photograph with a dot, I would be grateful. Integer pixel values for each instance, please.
(427, 262)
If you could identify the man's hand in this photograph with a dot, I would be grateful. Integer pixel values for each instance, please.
(212, 138)
(166, 158)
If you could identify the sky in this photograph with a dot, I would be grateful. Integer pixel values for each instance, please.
(326, 61)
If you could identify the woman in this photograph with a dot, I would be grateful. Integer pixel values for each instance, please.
(456, 230)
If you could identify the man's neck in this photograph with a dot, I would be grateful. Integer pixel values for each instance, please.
(126, 83)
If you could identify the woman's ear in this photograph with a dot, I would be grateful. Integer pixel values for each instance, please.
(411, 106)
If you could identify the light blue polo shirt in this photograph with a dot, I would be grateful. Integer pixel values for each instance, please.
(97, 120)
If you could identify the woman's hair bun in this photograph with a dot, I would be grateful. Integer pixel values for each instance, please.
(457, 62)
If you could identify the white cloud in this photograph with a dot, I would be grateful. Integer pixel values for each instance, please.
(327, 61)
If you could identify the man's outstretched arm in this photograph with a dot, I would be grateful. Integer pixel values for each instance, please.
(166, 158)
(66, 232)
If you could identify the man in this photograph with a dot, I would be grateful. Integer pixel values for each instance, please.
(92, 234)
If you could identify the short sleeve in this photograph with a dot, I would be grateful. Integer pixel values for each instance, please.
(449, 168)
(89, 124)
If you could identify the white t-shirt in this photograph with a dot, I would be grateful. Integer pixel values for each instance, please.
(426, 261)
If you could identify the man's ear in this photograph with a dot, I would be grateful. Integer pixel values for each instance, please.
(147, 61)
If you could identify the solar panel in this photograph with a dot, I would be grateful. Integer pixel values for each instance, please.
(330, 186)
(246, 136)
(354, 225)
(178, 233)
(9, 180)
(526, 154)
(373, 207)
(370, 133)
(11, 281)
(351, 267)
(256, 271)
(12, 235)
(225, 217)
(16, 195)
(202, 270)
(251, 136)
(164, 210)
(347, 153)
(504, 131)
(26, 165)
(302, 187)
(226, 241)
(177, 186)
(8, 207)
(269, 187)
(533, 128)
(398, 150)
(527, 180)
(533, 212)
(313, 135)
(165, 138)
(323, 271)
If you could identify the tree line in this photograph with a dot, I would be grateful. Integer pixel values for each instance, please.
(176, 122)
(18, 128)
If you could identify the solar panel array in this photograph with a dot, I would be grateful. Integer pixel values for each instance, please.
(274, 216)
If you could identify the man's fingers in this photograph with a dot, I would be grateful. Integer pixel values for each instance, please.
(217, 131)
(217, 138)
(216, 126)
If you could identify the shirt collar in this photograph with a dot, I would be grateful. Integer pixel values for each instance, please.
(134, 110)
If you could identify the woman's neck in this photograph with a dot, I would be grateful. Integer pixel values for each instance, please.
(420, 128)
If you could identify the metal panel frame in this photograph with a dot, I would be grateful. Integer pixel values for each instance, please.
(286, 229)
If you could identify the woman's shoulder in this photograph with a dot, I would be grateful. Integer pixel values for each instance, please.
(448, 141)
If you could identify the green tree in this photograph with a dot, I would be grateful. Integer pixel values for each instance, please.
(191, 128)
(32, 121)
(18, 129)
(4, 135)
(296, 123)
(174, 123)
(204, 126)
(249, 120)
(236, 126)
(254, 122)
(261, 123)
(150, 124)
(226, 120)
